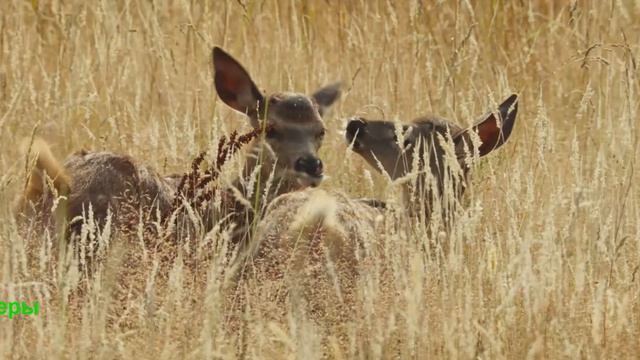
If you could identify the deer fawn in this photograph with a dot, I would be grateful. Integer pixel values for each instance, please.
(320, 242)
(103, 181)
(422, 148)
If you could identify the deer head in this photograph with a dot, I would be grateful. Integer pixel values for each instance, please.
(293, 124)
(398, 149)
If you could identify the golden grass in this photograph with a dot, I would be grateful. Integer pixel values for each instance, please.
(544, 262)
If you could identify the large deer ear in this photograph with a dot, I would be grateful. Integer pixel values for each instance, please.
(494, 128)
(326, 96)
(234, 85)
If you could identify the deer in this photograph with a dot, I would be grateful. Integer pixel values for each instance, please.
(289, 132)
(423, 148)
(321, 241)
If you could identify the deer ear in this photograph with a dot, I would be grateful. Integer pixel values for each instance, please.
(326, 96)
(495, 128)
(234, 85)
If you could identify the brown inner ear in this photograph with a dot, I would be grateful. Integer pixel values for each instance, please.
(489, 133)
(228, 88)
(492, 133)
(233, 83)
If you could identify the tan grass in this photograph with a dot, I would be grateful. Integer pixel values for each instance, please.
(543, 263)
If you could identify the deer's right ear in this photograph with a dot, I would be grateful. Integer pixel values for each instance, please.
(326, 96)
(234, 85)
(494, 131)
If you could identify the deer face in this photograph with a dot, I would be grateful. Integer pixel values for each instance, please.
(294, 121)
(295, 134)
(393, 147)
(396, 146)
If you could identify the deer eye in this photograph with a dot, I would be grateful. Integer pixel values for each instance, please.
(274, 100)
(271, 133)
(320, 135)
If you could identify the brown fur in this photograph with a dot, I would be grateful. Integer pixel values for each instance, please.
(101, 181)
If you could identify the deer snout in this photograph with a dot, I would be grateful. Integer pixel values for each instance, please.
(355, 128)
(309, 165)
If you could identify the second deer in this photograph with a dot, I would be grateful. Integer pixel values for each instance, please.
(437, 152)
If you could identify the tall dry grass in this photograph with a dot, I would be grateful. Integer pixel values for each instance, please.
(543, 263)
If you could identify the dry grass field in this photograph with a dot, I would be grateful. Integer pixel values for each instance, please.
(543, 261)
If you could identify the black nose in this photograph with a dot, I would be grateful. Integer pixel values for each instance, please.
(310, 165)
(355, 127)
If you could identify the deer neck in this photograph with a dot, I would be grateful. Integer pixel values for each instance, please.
(416, 197)
(258, 178)
(427, 195)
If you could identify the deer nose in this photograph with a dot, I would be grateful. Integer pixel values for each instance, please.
(310, 165)
(355, 127)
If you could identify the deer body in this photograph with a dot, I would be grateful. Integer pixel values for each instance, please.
(106, 181)
(286, 153)
(308, 251)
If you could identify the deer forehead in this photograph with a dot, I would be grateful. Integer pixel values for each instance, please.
(292, 108)
(298, 130)
(427, 125)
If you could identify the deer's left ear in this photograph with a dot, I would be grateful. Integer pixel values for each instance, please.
(495, 128)
(326, 96)
(234, 85)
